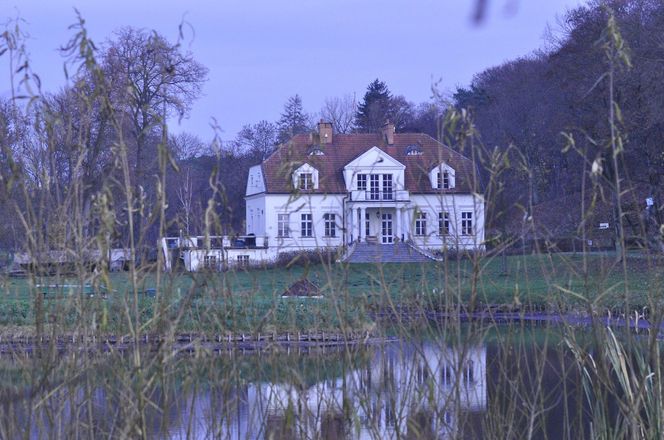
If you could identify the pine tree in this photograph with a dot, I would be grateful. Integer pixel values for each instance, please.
(293, 119)
(375, 109)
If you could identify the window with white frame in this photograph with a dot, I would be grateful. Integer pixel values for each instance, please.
(210, 262)
(447, 375)
(243, 260)
(422, 373)
(443, 223)
(283, 225)
(421, 223)
(442, 177)
(330, 225)
(469, 373)
(307, 225)
(361, 182)
(367, 224)
(444, 180)
(467, 223)
(387, 187)
(374, 186)
(306, 181)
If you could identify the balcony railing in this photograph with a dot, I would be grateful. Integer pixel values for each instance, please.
(379, 196)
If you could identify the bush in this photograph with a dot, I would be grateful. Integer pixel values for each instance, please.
(306, 258)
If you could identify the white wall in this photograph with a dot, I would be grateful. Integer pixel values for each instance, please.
(255, 214)
(194, 260)
(317, 205)
(454, 204)
(255, 181)
(265, 209)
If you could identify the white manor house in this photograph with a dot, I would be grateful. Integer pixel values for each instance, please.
(327, 190)
(388, 197)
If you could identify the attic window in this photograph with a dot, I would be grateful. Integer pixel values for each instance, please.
(306, 181)
(443, 180)
(442, 177)
(305, 178)
(316, 151)
(413, 150)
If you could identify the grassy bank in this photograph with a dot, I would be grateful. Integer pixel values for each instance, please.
(251, 300)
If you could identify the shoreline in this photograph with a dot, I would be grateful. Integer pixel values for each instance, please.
(188, 342)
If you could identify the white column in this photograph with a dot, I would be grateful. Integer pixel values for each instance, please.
(407, 223)
(362, 222)
(404, 223)
(397, 222)
(348, 226)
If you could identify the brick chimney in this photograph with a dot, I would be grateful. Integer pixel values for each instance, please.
(388, 132)
(325, 132)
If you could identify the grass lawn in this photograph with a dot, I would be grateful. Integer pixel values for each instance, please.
(251, 300)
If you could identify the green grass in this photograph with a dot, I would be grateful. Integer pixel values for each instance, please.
(251, 300)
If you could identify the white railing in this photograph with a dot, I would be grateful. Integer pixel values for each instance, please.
(214, 242)
(379, 196)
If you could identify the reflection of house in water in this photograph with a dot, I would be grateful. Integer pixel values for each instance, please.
(418, 392)
(405, 391)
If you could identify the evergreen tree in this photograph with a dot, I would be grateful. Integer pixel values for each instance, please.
(293, 119)
(375, 109)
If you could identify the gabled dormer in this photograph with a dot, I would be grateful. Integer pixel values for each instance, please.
(305, 178)
(442, 177)
(373, 162)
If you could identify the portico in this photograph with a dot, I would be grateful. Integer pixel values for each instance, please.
(378, 224)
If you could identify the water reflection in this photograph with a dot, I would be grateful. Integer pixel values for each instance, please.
(425, 390)
(400, 390)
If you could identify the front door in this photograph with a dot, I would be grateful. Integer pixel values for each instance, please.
(386, 229)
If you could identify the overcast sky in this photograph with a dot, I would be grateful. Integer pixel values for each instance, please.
(260, 52)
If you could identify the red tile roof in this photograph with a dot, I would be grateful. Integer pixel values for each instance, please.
(278, 167)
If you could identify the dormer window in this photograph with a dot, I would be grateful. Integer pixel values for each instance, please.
(443, 180)
(306, 181)
(305, 178)
(442, 177)
(316, 151)
(413, 150)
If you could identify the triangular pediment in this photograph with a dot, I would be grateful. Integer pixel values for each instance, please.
(442, 167)
(375, 158)
(305, 168)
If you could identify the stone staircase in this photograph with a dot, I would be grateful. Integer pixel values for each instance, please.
(386, 253)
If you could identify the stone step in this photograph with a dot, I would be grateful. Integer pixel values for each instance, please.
(386, 253)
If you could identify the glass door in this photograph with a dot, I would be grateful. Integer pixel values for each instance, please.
(386, 229)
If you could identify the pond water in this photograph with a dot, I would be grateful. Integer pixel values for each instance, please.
(431, 389)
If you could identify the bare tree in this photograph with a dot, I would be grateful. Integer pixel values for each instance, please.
(152, 79)
(185, 197)
(340, 112)
(258, 139)
(187, 145)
